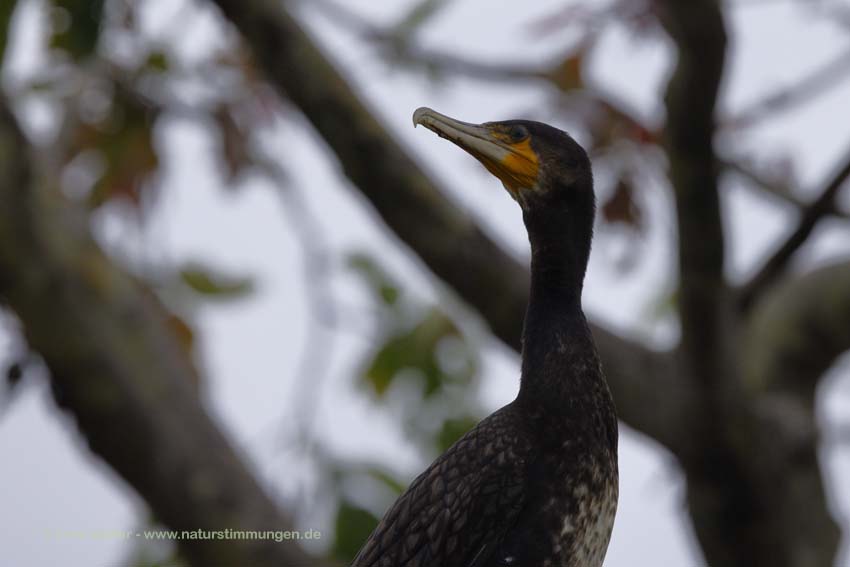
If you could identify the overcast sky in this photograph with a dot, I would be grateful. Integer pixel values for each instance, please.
(251, 349)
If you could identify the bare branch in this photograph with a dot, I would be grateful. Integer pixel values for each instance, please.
(814, 212)
(117, 367)
(786, 98)
(448, 241)
(795, 334)
(402, 49)
(772, 186)
(406, 51)
(798, 330)
(698, 31)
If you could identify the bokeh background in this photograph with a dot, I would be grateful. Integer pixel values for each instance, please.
(330, 355)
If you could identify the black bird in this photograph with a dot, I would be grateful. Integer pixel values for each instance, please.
(536, 483)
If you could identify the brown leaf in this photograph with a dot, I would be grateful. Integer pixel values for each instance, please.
(566, 75)
(130, 158)
(234, 143)
(185, 338)
(182, 331)
(610, 121)
(621, 206)
(124, 139)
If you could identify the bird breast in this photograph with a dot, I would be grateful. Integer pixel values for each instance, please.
(586, 522)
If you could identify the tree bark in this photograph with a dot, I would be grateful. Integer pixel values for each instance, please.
(775, 266)
(752, 462)
(117, 367)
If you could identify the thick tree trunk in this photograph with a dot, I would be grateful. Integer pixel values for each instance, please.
(117, 368)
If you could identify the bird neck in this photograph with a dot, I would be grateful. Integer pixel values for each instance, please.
(559, 361)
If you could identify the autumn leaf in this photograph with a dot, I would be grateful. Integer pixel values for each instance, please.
(124, 140)
(621, 207)
(182, 331)
(234, 143)
(130, 158)
(567, 74)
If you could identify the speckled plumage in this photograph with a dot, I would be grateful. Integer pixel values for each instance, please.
(535, 484)
(506, 490)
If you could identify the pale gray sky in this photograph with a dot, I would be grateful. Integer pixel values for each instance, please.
(251, 349)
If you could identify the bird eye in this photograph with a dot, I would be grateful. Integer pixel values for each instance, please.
(517, 133)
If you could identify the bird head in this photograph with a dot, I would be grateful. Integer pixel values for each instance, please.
(537, 163)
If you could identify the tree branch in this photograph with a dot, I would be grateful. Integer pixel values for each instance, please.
(772, 185)
(698, 31)
(403, 49)
(784, 99)
(6, 12)
(798, 330)
(447, 240)
(776, 264)
(733, 502)
(795, 334)
(117, 368)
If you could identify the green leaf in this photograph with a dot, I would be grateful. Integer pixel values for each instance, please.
(207, 282)
(76, 26)
(665, 304)
(452, 430)
(418, 16)
(157, 61)
(386, 479)
(381, 284)
(7, 7)
(353, 526)
(416, 349)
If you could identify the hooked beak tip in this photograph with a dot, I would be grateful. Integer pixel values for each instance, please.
(420, 114)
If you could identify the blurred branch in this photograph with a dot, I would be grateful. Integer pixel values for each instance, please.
(772, 186)
(699, 34)
(814, 212)
(605, 116)
(798, 330)
(561, 71)
(400, 48)
(786, 98)
(734, 510)
(796, 333)
(118, 368)
(319, 342)
(753, 472)
(448, 241)
(7, 9)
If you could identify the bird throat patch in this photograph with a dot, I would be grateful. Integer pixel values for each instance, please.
(517, 169)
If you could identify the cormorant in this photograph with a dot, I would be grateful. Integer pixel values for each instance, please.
(534, 484)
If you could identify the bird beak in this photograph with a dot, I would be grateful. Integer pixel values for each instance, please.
(515, 164)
